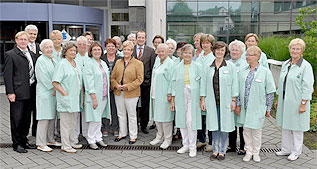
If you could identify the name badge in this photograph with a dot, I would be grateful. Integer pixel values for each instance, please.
(258, 80)
(225, 71)
(197, 78)
(283, 70)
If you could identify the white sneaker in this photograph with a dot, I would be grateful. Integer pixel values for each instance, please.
(192, 152)
(164, 145)
(45, 148)
(256, 158)
(292, 157)
(69, 150)
(280, 153)
(57, 144)
(247, 157)
(154, 142)
(183, 150)
(200, 144)
(208, 148)
(77, 146)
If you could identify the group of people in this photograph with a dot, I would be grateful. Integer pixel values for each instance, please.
(196, 90)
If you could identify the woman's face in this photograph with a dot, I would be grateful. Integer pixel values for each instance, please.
(220, 52)
(235, 52)
(162, 53)
(127, 51)
(96, 52)
(111, 48)
(252, 57)
(47, 49)
(156, 42)
(90, 39)
(82, 46)
(57, 41)
(171, 49)
(296, 51)
(197, 42)
(179, 52)
(71, 53)
(206, 45)
(187, 55)
(251, 42)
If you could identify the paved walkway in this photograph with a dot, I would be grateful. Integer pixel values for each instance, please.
(86, 158)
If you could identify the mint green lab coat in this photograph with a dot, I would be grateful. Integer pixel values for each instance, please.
(59, 57)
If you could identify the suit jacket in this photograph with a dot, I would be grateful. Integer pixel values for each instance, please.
(16, 73)
(37, 54)
(148, 59)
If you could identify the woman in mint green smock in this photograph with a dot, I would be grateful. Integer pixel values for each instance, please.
(45, 97)
(97, 86)
(160, 97)
(67, 81)
(294, 92)
(185, 99)
(57, 38)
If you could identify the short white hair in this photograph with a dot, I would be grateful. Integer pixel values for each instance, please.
(30, 27)
(162, 45)
(116, 38)
(44, 42)
(131, 35)
(171, 41)
(239, 44)
(83, 38)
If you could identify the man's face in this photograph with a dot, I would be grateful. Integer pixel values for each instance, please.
(22, 41)
(140, 38)
(33, 35)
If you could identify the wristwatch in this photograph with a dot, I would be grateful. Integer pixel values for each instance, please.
(303, 102)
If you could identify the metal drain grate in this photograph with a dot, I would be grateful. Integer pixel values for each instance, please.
(144, 147)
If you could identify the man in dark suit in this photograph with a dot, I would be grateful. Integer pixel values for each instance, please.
(20, 84)
(35, 48)
(145, 54)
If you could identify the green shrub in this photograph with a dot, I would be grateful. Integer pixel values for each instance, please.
(275, 47)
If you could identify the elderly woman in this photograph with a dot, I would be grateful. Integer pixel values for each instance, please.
(185, 99)
(220, 87)
(161, 97)
(205, 58)
(253, 40)
(171, 48)
(111, 58)
(57, 38)
(96, 79)
(46, 100)
(118, 46)
(67, 81)
(132, 38)
(255, 100)
(126, 78)
(236, 49)
(198, 49)
(294, 92)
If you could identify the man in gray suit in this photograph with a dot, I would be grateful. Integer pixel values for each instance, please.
(146, 55)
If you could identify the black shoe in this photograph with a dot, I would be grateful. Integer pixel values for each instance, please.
(231, 150)
(241, 152)
(117, 139)
(145, 131)
(29, 146)
(20, 149)
(152, 127)
(132, 142)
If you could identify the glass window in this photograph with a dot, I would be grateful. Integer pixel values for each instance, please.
(181, 7)
(119, 4)
(74, 31)
(69, 2)
(95, 3)
(119, 30)
(120, 16)
(95, 30)
(220, 8)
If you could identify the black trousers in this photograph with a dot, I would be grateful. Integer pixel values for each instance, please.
(145, 103)
(233, 139)
(20, 119)
(33, 109)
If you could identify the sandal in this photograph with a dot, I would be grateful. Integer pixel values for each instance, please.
(213, 156)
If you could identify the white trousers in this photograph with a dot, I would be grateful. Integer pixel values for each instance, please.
(253, 140)
(127, 107)
(45, 132)
(84, 126)
(189, 135)
(292, 141)
(68, 124)
(94, 128)
(164, 129)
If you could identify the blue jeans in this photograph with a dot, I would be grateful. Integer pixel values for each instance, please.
(219, 139)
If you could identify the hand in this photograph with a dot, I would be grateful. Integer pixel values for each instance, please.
(94, 104)
(302, 108)
(267, 114)
(172, 106)
(11, 97)
(233, 106)
(238, 110)
(54, 93)
(118, 87)
(124, 87)
(275, 104)
(169, 98)
(202, 105)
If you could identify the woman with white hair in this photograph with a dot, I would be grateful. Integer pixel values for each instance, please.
(237, 48)
(132, 38)
(46, 100)
(161, 97)
(171, 48)
(294, 92)
(118, 45)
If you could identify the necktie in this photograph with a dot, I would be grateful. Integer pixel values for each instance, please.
(33, 48)
(140, 54)
(31, 70)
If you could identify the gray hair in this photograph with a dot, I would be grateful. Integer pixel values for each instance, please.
(198, 34)
(187, 47)
(67, 46)
(44, 42)
(162, 45)
(131, 35)
(30, 27)
(237, 43)
(171, 41)
(83, 38)
(116, 38)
